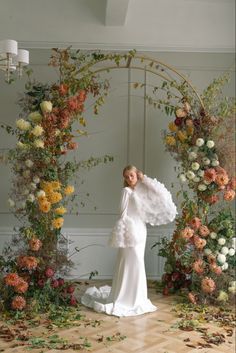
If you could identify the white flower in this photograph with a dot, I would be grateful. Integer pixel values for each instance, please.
(11, 203)
(190, 174)
(200, 142)
(231, 252)
(182, 178)
(192, 156)
(41, 193)
(22, 204)
(215, 162)
(224, 250)
(36, 117)
(46, 106)
(221, 258)
(207, 251)
(213, 235)
(207, 182)
(206, 161)
(200, 172)
(21, 145)
(232, 284)
(57, 132)
(39, 143)
(232, 290)
(33, 186)
(202, 187)
(26, 173)
(25, 191)
(31, 198)
(37, 130)
(225, 266)
(22, 124)
(29, 163)
(221, 241)
(36, 179)
(195, 166)
(196, 179)
(210, 144)
(233, 243)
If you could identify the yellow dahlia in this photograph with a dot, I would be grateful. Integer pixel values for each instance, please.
(57, 222)
(69, 189)
(54, 197)
(60, 210)
(45, 206)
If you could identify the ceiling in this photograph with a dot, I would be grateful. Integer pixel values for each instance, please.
(146, 25)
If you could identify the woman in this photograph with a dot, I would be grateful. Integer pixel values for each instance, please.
(144, 200)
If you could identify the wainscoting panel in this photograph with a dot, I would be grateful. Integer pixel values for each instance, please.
(93, 253)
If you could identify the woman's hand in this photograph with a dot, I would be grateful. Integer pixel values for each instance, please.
(140, 175)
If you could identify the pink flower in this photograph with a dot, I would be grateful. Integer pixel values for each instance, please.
(210, 174)
(222, 178)
(70, 289)
(41, 283)
(187, 233)
(229, 195)
(204, 231)
(212, 199)
(54, 283)
(22, 286)
(49, 272)
(63, 89)
(73, 301)
(61, 281)
(195, 222)
(178, 121)
(232, 184)
(208, 285)
(216, 269)
(198, 266)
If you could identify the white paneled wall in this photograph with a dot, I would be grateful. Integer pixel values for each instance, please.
(127, 129)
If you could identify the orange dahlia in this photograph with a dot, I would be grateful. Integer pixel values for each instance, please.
(12, 279)
(35, 244)
(229, 195)
(54, 197)
(18, 303)
(28, 262)
(22, 286)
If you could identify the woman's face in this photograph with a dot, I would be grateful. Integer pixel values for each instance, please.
(131, 178)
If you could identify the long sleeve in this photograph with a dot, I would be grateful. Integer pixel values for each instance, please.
(154, 202)
(124, 233)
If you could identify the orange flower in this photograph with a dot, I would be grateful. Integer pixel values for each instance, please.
(54, 197)
(57, 222)
(210, 174)
(208, 285)
(18, 303)
(173, 127)
(170, 140)
(63, 89)
(35, 244)
(56, 185)
(195, 222)
(222, 179)
(60, 210)
(199, 242)
(12, 279)
(42, 199)
(198, 266)
(187, 233)
(28, 262)
(204, 231)
(22, 286)
(232, 183)
(182, 136)
(229, 195)
(45, 206)
(46, 187)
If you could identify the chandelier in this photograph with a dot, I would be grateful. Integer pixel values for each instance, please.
(12, 59)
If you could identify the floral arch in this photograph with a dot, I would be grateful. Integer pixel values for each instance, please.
(200, 254)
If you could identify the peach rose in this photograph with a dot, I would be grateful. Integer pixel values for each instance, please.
(187, 233)
(210, 174)
(204, 231)
(229, 195)
(208, 285)
(199, 242)
(195, 222)
(198, 266)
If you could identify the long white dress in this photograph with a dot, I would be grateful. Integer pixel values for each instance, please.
(150, 202)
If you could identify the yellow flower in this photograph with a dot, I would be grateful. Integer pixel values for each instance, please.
(46, 106)
(22, 124)
(60, 210)
(57, 222)
(37, 130)
(190, 130)
(69, 189)
(55, 185)
(36, 117)
(54, 197)
(173, 127)
(47, 187)
(39, 143)
(170, 140)
(45, 206)
(42, 199)
(182, 135)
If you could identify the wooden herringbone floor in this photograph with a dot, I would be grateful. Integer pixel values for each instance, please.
(149, 333)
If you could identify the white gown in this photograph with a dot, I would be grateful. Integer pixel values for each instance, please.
(150, 202)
